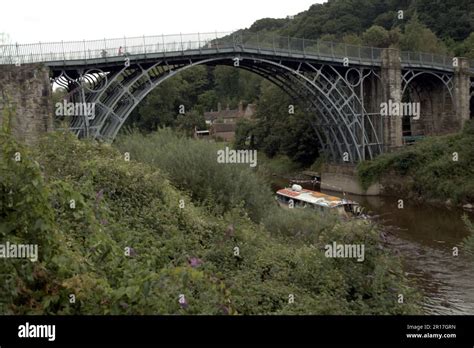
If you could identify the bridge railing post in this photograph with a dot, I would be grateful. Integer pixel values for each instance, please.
(164, 47)
(17, 61)
(41, 50)
(199, 43)
(258, 44)
(64, 54)
(289, 46)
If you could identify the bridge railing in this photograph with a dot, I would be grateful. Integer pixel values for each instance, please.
(283, 45)
(84, 50)
(94, 49)
(426, 59)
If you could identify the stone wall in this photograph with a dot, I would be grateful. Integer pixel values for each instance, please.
(343, 178)
(26, 91)
(462, 85)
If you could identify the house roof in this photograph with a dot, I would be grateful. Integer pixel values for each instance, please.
(224, 127)
(222, 114)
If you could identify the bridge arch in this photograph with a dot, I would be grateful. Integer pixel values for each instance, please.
(337, 111)
(434, 92)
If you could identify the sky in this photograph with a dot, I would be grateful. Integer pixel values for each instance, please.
(29, 21)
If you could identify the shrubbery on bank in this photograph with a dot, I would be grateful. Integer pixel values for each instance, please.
(439, 168)
(129, 247)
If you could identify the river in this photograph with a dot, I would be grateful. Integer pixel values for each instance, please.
(424, 236)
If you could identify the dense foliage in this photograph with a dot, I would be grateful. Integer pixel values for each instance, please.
(128, 246)
(436, 167)
(281, 127)
(192, 166)
(450, 21)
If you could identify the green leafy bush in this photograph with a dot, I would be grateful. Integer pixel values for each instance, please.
(194, 168)
(429, 167)
(127, 247)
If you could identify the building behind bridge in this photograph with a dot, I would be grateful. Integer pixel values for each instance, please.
(223, 122)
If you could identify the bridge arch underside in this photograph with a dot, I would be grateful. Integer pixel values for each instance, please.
(434, 93)
(331, 96)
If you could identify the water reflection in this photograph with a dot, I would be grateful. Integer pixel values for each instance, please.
(425, 236)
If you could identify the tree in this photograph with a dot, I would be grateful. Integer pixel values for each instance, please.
(278, 131)
(208, 100)
(417, 37)
(227, 84)
(468, 47)
(352, 39)
(244, 137)
(376, 36)
(189, 121)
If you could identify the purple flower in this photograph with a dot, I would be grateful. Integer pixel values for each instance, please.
(229, 232)
(224, 309)
(99, 195)
(195, 262)
(103, 222)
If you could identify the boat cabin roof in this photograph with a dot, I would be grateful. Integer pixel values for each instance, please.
(314, 197)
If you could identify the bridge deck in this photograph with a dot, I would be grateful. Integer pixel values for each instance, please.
(110, 52)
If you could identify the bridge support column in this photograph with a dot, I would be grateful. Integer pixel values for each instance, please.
(26, 91)
(462, 93)
(392, 90)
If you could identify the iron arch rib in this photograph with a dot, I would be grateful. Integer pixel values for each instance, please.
(329, 96)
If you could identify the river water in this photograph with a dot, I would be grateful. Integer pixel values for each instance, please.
(424, 236)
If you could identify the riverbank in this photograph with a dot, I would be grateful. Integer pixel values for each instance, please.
(438, 170)
(158, 225)
(424, 236)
